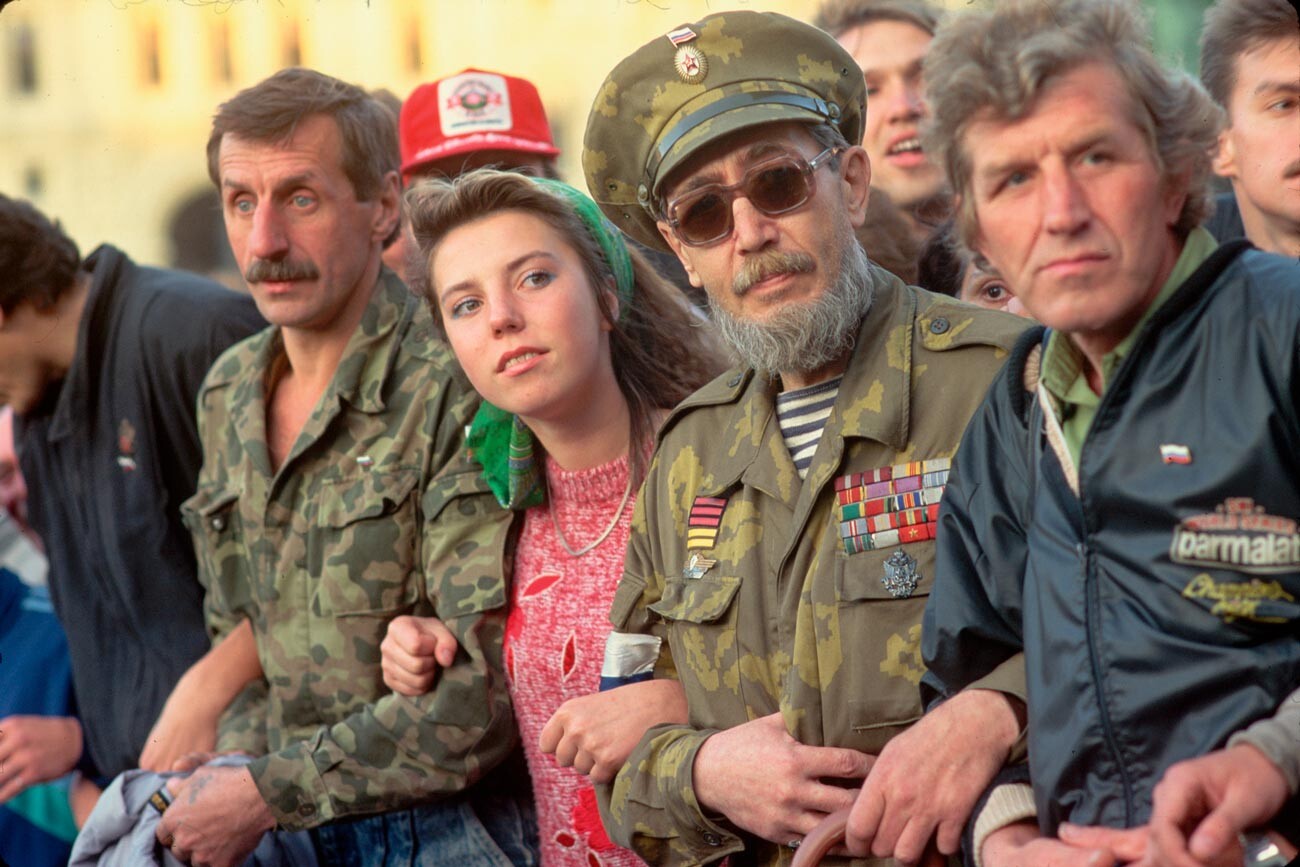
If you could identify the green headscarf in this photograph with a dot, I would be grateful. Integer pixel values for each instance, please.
(499, 441)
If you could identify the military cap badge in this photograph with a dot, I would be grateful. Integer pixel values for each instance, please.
(689, 61)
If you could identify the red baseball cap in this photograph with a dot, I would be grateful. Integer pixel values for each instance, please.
(473, 110)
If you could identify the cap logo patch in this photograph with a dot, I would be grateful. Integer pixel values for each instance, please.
(691, 64)
(474, 102)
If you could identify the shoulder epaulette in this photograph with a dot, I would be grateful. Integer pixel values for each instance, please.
(720, 391)
(946, 323)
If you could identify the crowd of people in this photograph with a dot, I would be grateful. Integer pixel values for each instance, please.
(678, 514)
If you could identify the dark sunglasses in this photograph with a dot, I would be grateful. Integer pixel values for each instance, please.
(775, 186)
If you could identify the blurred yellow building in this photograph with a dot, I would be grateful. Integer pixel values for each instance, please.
(105, 105)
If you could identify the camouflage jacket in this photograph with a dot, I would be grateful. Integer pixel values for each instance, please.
(356, 527)
(762, 593)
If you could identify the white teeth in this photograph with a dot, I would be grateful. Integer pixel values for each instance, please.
(519, 358)
(907, 145)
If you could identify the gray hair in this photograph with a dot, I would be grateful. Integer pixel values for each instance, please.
(994, 62)
(805, 337)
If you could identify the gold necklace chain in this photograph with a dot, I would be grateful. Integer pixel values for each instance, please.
(555, 522)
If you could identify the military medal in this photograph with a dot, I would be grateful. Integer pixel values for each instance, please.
(704, 521)
(890, 506)
(900, 574)
(689, 61)
(697, 566)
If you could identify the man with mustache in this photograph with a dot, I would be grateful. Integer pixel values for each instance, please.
(1124, 506)
(314, 518)
(101, 360)
(782, 547)
(1250, 63)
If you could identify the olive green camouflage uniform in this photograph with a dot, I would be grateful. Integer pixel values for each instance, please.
(355, 528)
(762, 592)
(774, 614)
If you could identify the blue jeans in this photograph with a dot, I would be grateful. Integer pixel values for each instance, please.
(479, 829)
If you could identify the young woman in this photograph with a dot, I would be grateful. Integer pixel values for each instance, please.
(578, 349)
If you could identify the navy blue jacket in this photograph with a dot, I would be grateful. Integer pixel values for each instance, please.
(108, 458)
(1158, 608)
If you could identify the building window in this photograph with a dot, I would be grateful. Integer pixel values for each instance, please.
(414, 49)
(25, 58)
(150, 59)
(222, 70)
(33, 182)
(292, 45)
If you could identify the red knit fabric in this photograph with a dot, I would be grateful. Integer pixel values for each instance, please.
(555, 644)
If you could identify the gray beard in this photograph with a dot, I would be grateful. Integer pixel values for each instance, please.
(804, 337)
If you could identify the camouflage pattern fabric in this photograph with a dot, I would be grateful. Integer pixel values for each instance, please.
(767, 610)
(679, 92)
(356, 527)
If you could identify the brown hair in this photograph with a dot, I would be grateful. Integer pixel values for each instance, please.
(38, 261)
(661, 351)
(837, 17)
(887, 237)
(1234, 27)
(271, 110)
(994, 63)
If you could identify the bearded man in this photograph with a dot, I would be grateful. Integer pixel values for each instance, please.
(781, 550)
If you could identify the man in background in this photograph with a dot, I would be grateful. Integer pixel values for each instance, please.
(889, 40)
(1250, 64)
(101, 360)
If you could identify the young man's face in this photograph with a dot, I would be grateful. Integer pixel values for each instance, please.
(1071, 208)
(890, 54)
(24, 375)
(1260, 150)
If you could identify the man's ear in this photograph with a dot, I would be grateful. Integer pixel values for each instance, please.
(389, 210)
(855, 175)
(1225, 156)
(1176, 189)
(679, 249)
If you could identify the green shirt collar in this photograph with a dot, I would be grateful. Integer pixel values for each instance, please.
(1063, 362)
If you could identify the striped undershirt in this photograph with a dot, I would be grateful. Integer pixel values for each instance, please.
(802, 414)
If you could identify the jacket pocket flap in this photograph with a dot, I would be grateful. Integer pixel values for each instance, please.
(449, 487)
(349, 500)
(697, 600)
(208, 507)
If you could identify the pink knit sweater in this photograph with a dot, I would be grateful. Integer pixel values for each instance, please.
(555, 643)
